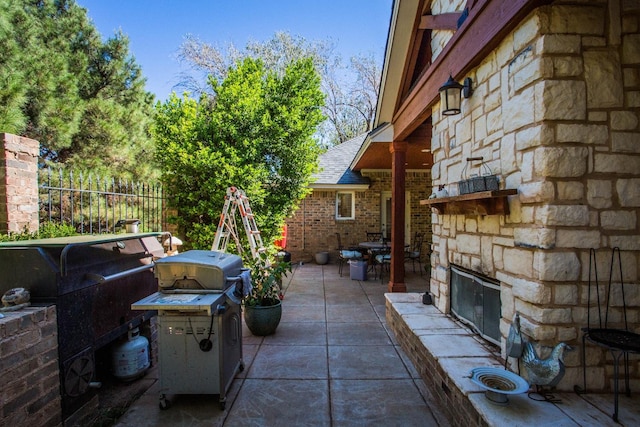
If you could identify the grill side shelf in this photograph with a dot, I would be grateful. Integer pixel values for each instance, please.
(180, 302)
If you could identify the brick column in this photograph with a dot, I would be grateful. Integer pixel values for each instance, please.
(30, 393)
(18, 184)
(398, 151)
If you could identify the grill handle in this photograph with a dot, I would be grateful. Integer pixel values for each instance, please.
(192, 291)
(103, 279)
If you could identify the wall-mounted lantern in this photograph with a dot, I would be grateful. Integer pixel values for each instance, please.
(450, 95)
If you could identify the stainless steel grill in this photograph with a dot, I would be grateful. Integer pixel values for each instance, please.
(199, 324)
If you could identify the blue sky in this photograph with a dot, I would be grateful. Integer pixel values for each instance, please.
(156, 28)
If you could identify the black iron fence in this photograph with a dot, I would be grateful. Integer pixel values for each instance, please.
(100, 205)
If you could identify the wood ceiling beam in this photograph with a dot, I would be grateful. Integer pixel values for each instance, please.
(444, 21)
(488, 22)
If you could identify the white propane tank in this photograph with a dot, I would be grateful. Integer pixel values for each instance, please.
(131, 357)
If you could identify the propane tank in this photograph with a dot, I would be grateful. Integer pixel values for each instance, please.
(131, 357)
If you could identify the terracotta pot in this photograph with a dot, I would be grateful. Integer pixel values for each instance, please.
(263, 320)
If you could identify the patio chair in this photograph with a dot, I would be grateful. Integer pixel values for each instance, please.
(415, 252)
(620, 341)
(345, 255)
(374, 236)
(383, 260)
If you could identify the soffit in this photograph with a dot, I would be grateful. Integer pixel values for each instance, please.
(375, 154)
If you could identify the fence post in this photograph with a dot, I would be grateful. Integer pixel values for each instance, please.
(18, 183)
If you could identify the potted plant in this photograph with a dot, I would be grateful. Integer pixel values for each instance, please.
(263, 305)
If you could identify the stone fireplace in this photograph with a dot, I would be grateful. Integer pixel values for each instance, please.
(555, 114)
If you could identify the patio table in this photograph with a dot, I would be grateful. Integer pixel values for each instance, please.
(373, 249)
(376, 248)
(374, 245)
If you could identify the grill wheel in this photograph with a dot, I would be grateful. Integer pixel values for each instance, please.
(78, 376)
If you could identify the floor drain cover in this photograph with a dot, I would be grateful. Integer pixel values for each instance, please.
(498, 383)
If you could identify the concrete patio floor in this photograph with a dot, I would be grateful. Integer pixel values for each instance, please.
(334, 362)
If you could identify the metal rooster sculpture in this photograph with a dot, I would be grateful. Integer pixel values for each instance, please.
(544, 372)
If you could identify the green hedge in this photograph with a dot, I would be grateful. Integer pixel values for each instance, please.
(47, 230)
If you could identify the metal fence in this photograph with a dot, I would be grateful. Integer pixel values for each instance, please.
(100, 205)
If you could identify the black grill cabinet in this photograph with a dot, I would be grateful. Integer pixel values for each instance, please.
(92, 280)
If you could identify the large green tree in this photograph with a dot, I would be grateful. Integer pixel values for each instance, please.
(83, 99)
(351, 91)
(12, 87)
(254, 132)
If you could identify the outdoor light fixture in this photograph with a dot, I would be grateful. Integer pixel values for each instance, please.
(450, 95)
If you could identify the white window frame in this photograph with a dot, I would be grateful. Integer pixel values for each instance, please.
(353, 206)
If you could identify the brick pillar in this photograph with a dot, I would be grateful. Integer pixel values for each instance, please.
(18, 183)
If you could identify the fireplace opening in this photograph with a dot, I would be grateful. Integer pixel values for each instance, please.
(475, 300)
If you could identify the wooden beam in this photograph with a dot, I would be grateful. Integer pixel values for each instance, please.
(480, 203)
(488, 22)
(416, 46)
(444, 21)
(398, 151)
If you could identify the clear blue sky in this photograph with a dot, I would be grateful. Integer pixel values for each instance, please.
(156, 28)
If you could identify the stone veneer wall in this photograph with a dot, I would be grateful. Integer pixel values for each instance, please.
(18, 183)
(30, 392)
(556, 114)
(313, 227)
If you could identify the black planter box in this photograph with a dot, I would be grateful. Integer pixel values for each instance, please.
(478, 183)
(464, 186)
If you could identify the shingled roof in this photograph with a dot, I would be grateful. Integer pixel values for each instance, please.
(334, 167)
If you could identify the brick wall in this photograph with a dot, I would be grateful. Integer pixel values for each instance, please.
(556, 113)
(30, 392)
(18, 183)
(451, 399)
(313, 228)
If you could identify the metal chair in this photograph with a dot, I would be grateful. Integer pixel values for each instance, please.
(415, 253)
(374, 236)
(619, 341)
(345, 255)
(383, 260)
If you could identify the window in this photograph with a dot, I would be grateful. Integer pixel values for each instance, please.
(345, 205)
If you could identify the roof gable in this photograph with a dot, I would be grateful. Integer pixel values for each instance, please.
(334, 165)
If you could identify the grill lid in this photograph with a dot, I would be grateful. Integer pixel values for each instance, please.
(84, 239)
(197, 269)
